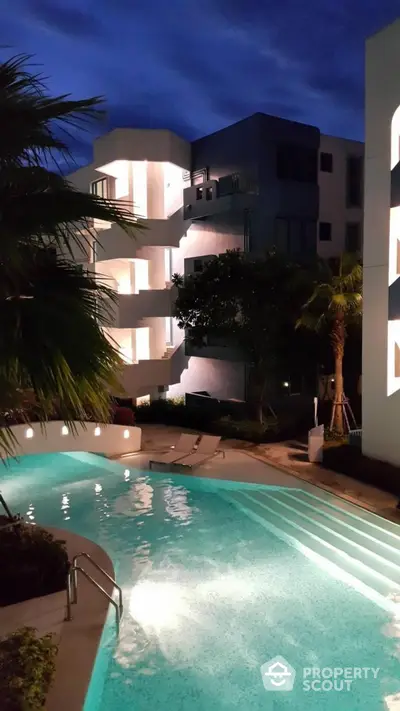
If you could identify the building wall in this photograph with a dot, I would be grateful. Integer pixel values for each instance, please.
(333, 203)
(220, 378)
(249, 149)
(144, 169)
(380, 381)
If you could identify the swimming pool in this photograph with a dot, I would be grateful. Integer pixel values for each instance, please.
(218, 579)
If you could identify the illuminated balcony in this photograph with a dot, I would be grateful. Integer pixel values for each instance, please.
(152, 373)
(150, 303)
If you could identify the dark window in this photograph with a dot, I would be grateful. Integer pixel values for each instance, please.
(235, 182)
(296, 163)
(247, 229)
(325, 231)
(199, 193)
(209, 193)
(99, 188)
(326, 162)
(197, 265)
(354, 181)
(353, 237)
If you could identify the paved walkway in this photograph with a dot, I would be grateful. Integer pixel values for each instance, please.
(289, 458)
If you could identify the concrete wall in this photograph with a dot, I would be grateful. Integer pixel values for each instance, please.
(57, 437)
(332, 194)
(220, 378)
(381, 396)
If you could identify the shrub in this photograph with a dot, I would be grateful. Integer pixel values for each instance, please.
(33, 563)
(124, 416)
(27, 666)
(349, 460)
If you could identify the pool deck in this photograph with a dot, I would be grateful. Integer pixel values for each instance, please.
(277, 464)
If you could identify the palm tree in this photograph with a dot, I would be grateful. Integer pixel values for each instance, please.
(53, 352)
(336, 303)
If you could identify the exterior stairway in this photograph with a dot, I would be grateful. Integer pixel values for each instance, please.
(353, 545)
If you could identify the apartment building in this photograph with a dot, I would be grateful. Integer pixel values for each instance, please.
(259, 183)
(145, 168)
(381, 291)
(340, 180)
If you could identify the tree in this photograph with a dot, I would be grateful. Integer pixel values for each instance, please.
(249, 304)
(53, 352)
(336, 304)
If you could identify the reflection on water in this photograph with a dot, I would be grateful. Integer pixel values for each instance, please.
(137, 502)
(65, 507)
(176, 503)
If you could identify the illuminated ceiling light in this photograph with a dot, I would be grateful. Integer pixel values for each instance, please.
(29, 433)
(126, 434)
(97, 432)
(64, 430)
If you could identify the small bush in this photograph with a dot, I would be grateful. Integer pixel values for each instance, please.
(349, 460)
(33, 563)
(124, 416)
(249, 430)
(27, 666)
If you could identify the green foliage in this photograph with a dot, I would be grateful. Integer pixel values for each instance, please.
(33, 563)
(250, 304)
(53, 351)
(336, 305)
(212, 419)
(337, 294)
(27, 667)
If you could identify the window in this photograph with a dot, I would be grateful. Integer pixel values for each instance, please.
(247, 230)
(99, 188)
(353, 237)
(209, 193)
(326, 162)
(296, 163)
(354, 181)
(199, 193)
(325, 231)
(197, 265)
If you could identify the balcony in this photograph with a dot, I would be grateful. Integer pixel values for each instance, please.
(149, 303)
(164, 233)
(114, 243)
(145, 374)
(218, 197)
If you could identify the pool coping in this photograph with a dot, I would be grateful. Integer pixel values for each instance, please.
(79, 638)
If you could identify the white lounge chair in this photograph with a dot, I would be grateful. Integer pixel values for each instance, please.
(184, 446)
(206, 450)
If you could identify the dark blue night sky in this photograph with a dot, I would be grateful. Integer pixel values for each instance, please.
(195, 66)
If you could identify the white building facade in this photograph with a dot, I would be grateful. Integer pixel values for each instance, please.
(381, 322)
(145, 169)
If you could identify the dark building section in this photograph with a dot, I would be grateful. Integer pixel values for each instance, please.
(395, 186)
(263, 172)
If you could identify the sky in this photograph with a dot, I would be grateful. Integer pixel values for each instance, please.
(195, 66)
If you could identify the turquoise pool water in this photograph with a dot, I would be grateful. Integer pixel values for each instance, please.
(209, 594)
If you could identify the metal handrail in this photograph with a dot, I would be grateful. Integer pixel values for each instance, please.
(72, 576)
(5, 506)
(98, 567)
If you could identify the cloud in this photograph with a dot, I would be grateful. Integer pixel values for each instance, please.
(65, 19)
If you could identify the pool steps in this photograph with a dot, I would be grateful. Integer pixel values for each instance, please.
(350, 543)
